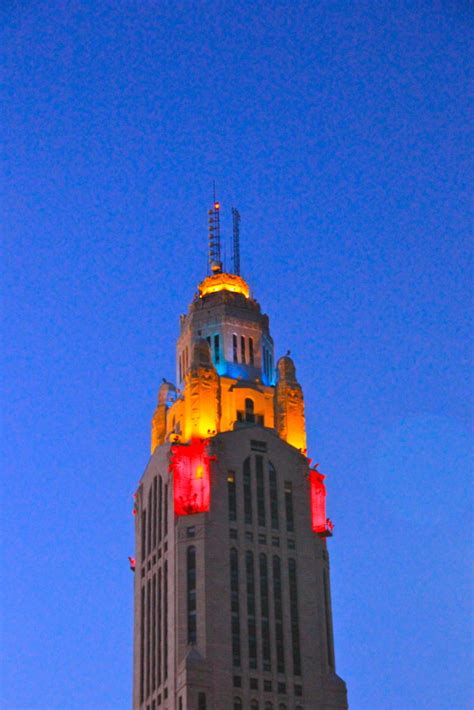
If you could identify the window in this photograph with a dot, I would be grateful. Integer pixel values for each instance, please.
(237, 704)
(251, 624)
(268, 705)
(247, 492)
(231, 496)
(327, 607)
(242, 349)
(278, 605)
(180, 704)
(201, 701)
(209, 341)
(216, 349)
(234, 606)
(282, 688)
(251, 357)
(237, 681)
(260, 446)
(298, 691)
(191, 593)
(275, 541)
(249, 536)
(249, 411)
(233, 534)
(290, 521)
(165, 625)
(254, 683)
(262, 538)
(272, 480)
(260, 491)
(254, 705)
(234, 348)
(295, 631)
(267, 686)
(191, 531)
(265, 610)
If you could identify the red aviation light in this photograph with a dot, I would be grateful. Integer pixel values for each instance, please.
(190, 465)
(320, 523)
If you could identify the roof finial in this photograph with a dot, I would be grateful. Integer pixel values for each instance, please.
(215, 235)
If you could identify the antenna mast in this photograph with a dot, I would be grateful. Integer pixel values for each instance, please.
(215, 236)
(236, 240)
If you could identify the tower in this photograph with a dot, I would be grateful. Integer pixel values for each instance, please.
(232, 591)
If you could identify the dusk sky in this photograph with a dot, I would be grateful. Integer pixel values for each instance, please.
(341, 132)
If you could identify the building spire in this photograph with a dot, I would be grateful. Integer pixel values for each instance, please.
(215, 261)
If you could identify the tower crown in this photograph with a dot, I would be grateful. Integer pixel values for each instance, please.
(224, 282)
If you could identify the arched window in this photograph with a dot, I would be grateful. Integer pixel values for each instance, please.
(282, 706)
(254, 705)
(268, 705)
(191, 593)
(234, 348)
(237, 704)
(249, 410)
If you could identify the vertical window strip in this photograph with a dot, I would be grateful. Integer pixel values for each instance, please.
(235, 606)
(191, 594)
(278, 602)
(202, 701)
(165, 511)
(265, 610)
(149, 522)
(235, 354)
(260, 491)
(232, 496)
(247, 492)
(154, 523)
(216, 349)
(165, 621)
(153, 634)
(290, 519)
(251, 356)
(142, 645)
(143, 531)
(251, 623)
(159, 628)
(272, 479)
(148, 638)
(327, 611)
(160, 509)
(295, 629)
(242, 349)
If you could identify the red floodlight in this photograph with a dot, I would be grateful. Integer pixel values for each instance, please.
(190, 465)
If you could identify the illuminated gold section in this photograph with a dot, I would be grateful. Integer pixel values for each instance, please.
(224, 282)
(289, 406)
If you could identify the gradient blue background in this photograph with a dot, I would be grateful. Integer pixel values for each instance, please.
(340, 131)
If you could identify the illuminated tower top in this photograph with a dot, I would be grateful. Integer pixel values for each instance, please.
(225, 372)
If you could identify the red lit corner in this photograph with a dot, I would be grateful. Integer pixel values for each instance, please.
(132, 563)
(320, 523)
(190, 466)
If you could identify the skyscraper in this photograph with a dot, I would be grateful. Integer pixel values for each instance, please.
(232, 591)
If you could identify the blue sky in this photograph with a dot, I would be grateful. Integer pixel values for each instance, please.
(341, 132)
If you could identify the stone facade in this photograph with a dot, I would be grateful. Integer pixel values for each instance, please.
(232, 605)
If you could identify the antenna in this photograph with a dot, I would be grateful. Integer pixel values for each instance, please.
(215, 236)
(236, 240)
